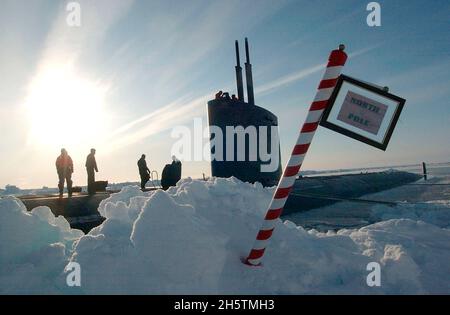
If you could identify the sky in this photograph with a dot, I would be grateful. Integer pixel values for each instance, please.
(133, 70)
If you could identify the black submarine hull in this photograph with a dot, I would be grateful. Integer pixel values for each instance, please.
(316, 192)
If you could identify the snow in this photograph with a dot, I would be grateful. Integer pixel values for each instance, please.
(32, 247)
(436, 212)
(191, 239)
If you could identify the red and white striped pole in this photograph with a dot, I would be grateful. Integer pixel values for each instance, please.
(336, 61)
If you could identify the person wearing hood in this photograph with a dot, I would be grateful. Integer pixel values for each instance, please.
(64, 168)
(171, 173)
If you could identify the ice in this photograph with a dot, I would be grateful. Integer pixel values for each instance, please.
(191, 239)
(436, 212)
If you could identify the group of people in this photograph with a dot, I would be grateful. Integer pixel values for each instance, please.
(225, 95)
(64, 167)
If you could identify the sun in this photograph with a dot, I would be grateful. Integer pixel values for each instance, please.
(65, 110)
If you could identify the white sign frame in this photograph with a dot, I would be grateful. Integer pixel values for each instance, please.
(378, 112)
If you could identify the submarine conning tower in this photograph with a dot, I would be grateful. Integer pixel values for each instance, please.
(226, 112)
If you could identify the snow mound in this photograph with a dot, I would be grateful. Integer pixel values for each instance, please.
(191, 239)
(33, 247)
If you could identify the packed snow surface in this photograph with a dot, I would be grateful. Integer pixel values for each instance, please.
(191, 239)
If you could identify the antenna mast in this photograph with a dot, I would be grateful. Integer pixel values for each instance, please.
(240, 86)
(248, 75)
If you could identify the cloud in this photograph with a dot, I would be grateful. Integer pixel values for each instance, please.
(66, 43)
(195, 32)
(301, 74)
(171, 107)
(163, 119)
(173, 50)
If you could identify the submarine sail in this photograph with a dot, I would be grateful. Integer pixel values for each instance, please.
(226, 113)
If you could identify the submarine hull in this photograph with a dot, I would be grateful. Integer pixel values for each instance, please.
(320, 191)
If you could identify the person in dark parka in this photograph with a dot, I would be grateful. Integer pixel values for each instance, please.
(144, 171)
(91, 168)
(171, 174)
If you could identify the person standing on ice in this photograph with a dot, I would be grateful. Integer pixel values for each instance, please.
(144, 171)
(91, 168)
(64, 168)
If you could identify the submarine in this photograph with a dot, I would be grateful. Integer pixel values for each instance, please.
(226, 112)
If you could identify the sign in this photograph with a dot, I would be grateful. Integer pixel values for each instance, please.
(362, 111)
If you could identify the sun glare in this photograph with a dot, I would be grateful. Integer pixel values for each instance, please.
(65, 109)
